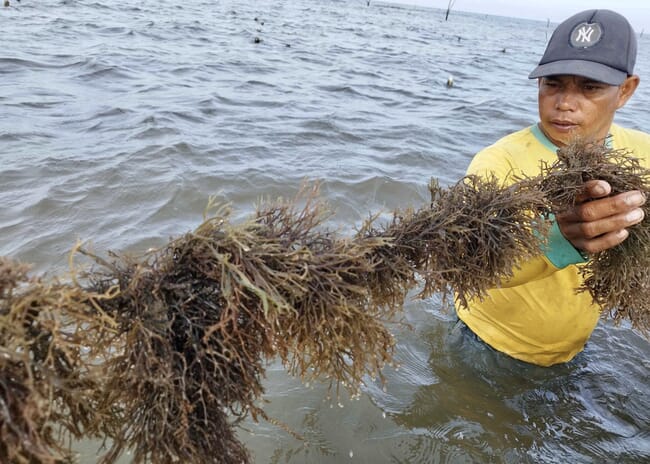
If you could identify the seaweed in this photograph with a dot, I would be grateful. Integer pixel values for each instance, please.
(617, 278)
(52, 340)
(164, 354)
(201, 315)
(470, 238)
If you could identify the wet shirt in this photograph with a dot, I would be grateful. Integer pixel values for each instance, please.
(538, 316)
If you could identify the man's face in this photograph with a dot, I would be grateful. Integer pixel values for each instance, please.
(573, 106)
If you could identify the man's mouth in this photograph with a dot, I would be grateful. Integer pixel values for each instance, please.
(564, 125)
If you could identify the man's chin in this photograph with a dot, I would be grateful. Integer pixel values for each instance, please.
(565, 138)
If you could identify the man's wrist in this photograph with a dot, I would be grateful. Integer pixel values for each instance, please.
(559, 251)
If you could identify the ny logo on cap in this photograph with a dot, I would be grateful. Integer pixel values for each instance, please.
(586, 35)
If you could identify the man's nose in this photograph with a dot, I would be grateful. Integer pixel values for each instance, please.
(566, 100)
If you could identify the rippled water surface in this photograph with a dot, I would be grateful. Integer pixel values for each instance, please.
(119, 119)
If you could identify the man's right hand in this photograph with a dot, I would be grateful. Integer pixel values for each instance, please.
(597, 221)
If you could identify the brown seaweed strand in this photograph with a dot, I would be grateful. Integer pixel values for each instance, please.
(333, 331)
(191, 367)
(469, 239)
(51, 341)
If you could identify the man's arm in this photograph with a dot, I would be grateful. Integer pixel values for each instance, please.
(596, 223)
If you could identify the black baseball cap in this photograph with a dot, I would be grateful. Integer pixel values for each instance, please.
(597, 44)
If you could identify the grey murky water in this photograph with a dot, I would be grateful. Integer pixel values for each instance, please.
(119, 119)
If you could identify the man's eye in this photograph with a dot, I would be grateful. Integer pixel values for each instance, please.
(592, 87)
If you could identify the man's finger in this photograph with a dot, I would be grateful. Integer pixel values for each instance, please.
(594, 189)
(592, 229)
(603, 242)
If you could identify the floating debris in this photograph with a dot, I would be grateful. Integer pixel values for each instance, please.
(450, 81)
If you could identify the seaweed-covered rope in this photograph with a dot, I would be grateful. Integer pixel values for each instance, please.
(163, 354)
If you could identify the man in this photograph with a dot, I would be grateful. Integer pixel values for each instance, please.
(584, 77)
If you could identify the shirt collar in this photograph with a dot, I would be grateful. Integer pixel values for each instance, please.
(544, 140)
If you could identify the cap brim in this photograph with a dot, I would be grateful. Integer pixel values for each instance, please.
(589, 69)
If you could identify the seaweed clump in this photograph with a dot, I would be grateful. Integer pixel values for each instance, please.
(201, 316)
(618, 278)
(51, 334)
(472, 236)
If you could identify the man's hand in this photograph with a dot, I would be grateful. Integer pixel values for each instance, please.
(599, 222)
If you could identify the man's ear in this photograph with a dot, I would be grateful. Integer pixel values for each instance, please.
(627, 89)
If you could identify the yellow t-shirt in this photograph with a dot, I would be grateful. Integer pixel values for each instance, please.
(538, 316)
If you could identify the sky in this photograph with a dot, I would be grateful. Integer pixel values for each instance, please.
(636, 11)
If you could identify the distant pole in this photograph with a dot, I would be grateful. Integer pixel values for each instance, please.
(449, 5)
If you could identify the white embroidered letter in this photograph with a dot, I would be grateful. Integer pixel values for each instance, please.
(584, 34)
